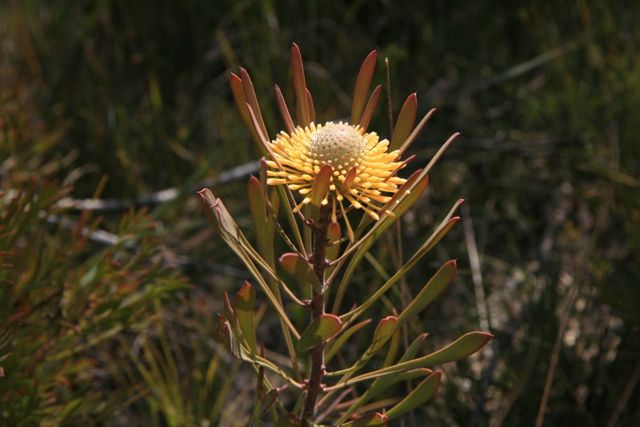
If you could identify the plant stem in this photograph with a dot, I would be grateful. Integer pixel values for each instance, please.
(319, 261)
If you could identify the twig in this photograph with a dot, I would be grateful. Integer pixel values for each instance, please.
(158, 197)
(626, 394)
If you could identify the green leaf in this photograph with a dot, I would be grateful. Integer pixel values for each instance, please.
(404, 123)
(319, 330)
(262, 221)
(399, 203)
(379, 385)
(363, 82)
(382, 383)
(245, 303)
(464, 346)
(447, 223)
(384, 331)
(231, 234)
(337, 344)
(419, 396)
(300, 270)
(394, 344)
(434, 287)
(376, 419)
(334, 234)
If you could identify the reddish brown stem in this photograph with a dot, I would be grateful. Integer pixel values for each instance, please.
(316, 373)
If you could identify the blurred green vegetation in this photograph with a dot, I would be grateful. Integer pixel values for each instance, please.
(108, 316)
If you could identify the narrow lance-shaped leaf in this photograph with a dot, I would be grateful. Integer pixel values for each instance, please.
(434, 287)
(418, 396)
(337, 344)
(312, 109)
(262, 222)
(370, 108)
(299, 85)
(464, 346)
(245, 303)
(218, 214)
(379, 227)
(412, 137)
(394, 344)
(363, 82)
(241, 102)
(252, 100)
(262, 135)
(429, 243)
(391, 380)
(284, 111)
(384, 331)
(404, 123)
(379, 385)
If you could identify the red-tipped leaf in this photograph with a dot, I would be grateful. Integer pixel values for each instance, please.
(363, 82)
(405, 122)
(370, 108)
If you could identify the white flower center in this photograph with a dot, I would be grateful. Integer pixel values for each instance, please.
(339, 145)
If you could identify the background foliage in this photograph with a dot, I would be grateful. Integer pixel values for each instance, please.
(107, 314)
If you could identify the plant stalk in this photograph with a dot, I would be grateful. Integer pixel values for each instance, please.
(319, 262)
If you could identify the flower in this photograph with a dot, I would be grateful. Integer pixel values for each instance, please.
(362, 170)
(336, 164)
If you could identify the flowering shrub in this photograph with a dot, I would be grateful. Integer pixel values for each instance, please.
(317, 177)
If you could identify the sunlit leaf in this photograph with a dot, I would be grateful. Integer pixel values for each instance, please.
(220, 217)
(418, 396)
(319, 330)
(384, 331)
(299, 85)
(299, 269)
(459, 349)
(336, 345)
(263, 223)
(433, 288)
(404, 123)
(284, 110)
(370, 108)
(441, 230)
(363, 82)
(245, 304)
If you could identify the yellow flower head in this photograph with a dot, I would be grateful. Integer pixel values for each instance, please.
(336, 164)
(362, 170)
